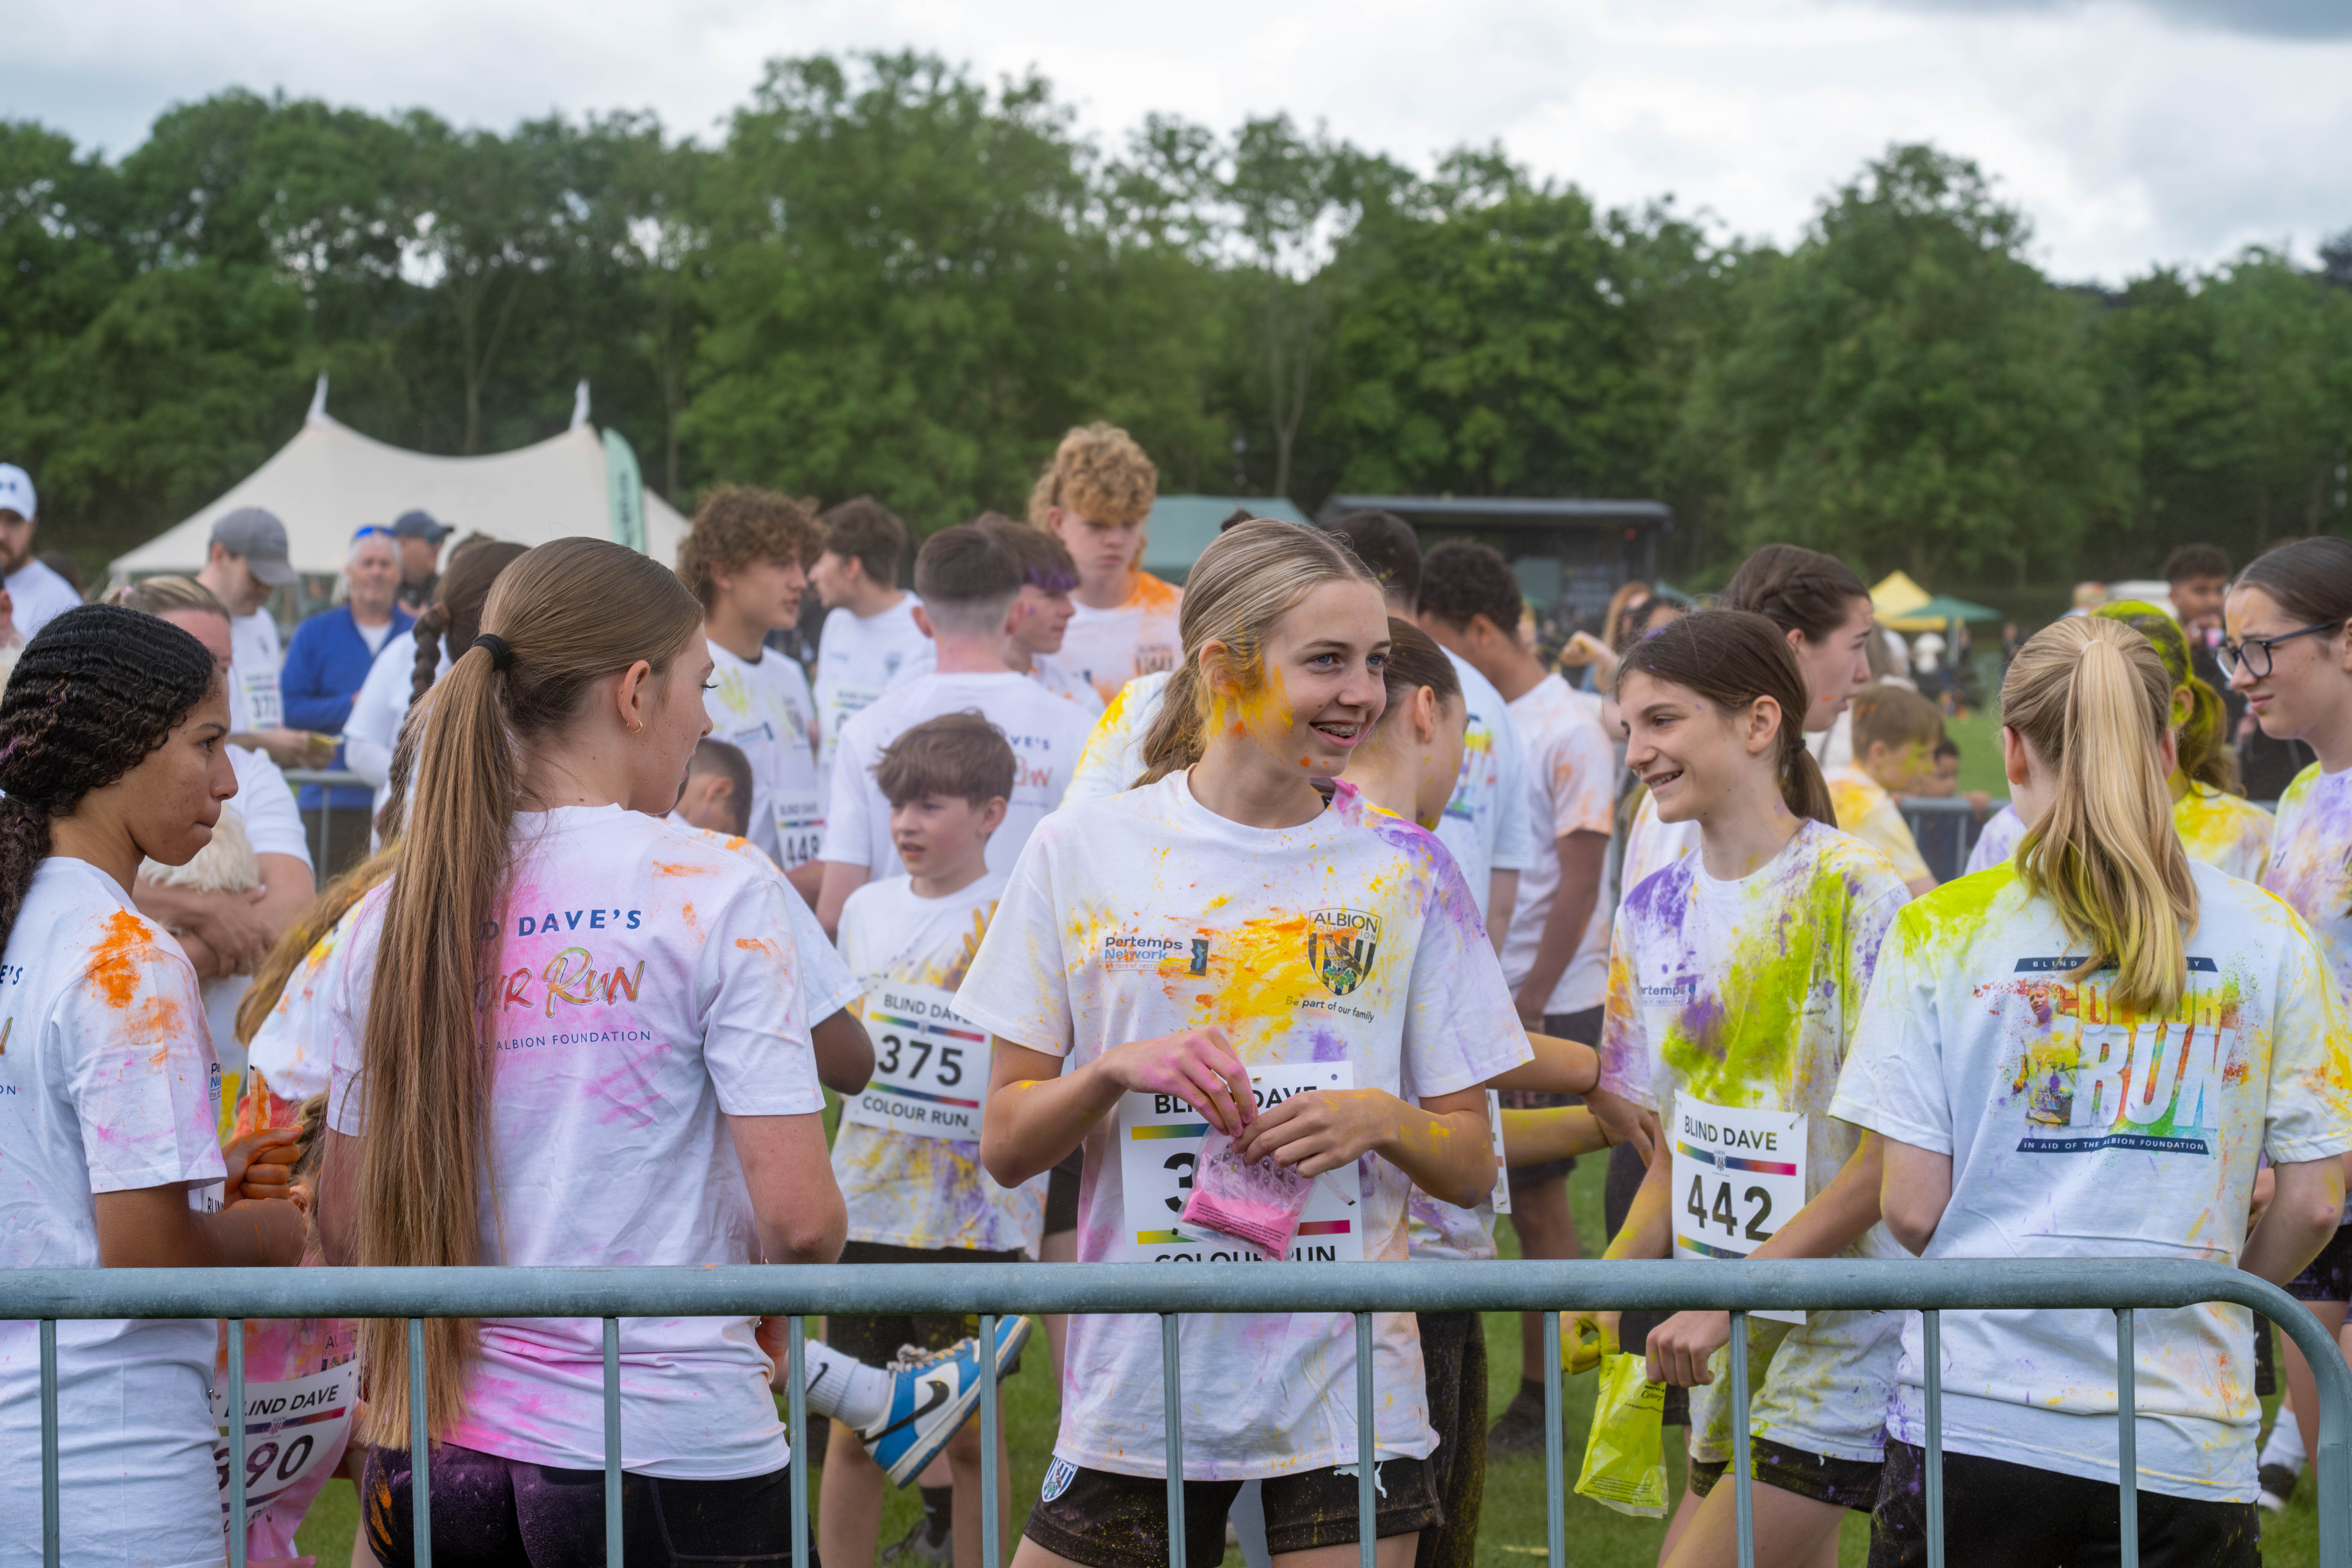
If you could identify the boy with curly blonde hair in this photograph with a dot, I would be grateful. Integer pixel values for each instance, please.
(1095, 495)
(746, 557)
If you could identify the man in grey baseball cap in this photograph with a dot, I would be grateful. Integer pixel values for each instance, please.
(244, 563)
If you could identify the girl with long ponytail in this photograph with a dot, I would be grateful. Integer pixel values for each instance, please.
(570, 1033)
(1735, 976)
(2087, 1052)
(1220, 945)
(113, 749)
(2216, 822)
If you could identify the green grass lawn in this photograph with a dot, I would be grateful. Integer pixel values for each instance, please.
(1511, 1533)
(1978, 735)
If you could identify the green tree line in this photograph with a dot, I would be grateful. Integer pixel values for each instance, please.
(890, 276)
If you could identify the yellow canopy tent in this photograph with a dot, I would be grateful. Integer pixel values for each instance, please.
(1896, 596)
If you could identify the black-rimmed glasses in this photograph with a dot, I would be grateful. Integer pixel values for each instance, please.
(2256, 651)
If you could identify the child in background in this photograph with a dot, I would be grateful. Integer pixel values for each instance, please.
(1041, 615)
(869, 621)
(908, 1152)
(718, 794)
(1095, 495)
(1895, 733)
(745, 560)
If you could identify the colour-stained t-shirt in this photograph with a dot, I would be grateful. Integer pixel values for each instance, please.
(1045, 732)
(1652, 844)
(2310, 863)
(765, 708)
(1571, 788)
(1350, 939)
(2078, 1130)
(644, 990)
(1113, 757)
(1487, 823)
(856, 657)
(1107, 648)
(1746, 993)
(108, 1084)
(1865, 810)
(904, 1190)
(2002, 833)
(2220, 830)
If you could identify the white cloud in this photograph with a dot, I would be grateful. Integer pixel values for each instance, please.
(2132, 133)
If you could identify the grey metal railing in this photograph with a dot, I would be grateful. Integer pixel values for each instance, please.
(330, 779)
(1169, 1291)
(1946, 830)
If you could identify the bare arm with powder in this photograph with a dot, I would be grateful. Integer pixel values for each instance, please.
(1441, 1144)
(1560, 1066)
(1036, 1113)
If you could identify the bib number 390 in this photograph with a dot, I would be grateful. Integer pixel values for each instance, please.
(1741, 1174)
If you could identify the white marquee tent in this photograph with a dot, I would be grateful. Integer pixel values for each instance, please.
(330, 480)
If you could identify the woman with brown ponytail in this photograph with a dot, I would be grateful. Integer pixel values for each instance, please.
(2085, 1052)
(113, 749)
(587, 1048)
(1736, 977)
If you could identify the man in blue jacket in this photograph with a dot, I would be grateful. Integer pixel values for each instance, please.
(326, 664)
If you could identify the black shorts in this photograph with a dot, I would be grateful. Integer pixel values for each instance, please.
(1062, 1193)
(489, 1512)
(1585, 1029)
(1107, 1520)
(2000, 1515)
(1849, 1483)
(876, 1341)
(1453, 1364)
(2329, 1277)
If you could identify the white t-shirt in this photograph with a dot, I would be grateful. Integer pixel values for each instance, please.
(1060, 682)
(1652, 844)
(273, 827)
(765, 708)
(904, 1190)
(1348, 939)
(1107, 648)
(1997, 841)
(1975, 1042)
(110, 1086)
(39, 596)
(254, 658)
(1865, 810)
(1571, 779)
(2309, 864)
(643, 993)
(1047, 734)
(1486, 823)
(1113, 758)
(372, 731)
(855, 658)
(372, 636)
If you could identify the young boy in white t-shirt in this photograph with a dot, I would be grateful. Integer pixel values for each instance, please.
(869, 631)
(908, 1154)
(1895, 733)
(970, 586)
(745, 559)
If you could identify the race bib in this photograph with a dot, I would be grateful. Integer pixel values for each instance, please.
(1739, 1174)
(799, 832)
(291, 1430)
(1159, 1141)
(264, 709)
(930, 1066)
(1502, 1165)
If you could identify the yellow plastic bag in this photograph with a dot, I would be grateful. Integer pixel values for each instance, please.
(1625, 1459)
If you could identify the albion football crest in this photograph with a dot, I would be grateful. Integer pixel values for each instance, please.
(1340, 947)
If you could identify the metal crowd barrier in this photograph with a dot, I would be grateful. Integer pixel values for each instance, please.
(330, 778)
(1169, 1291)
(1945, 831)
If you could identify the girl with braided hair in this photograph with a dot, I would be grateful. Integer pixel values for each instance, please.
(1735, 979)
(113, 749)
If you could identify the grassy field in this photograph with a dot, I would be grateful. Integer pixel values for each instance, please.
(1511, 1532)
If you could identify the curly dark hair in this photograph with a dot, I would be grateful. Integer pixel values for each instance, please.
(1461, 578)
(99, 688)
(736, 524)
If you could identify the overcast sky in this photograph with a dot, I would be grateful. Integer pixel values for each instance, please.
(2133, 131)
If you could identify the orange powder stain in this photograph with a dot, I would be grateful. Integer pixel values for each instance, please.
(678, 868)
(114, 963)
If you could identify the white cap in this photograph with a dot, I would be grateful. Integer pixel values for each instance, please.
(16, 491)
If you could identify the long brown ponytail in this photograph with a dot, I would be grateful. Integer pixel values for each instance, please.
(1731, 657)
(2090, 699)
(1245, 582)
(569, 613)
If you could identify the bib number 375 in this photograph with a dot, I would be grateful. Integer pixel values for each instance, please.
(1738, 1175)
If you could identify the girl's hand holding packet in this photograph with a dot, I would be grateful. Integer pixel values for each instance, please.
(1256, 1201)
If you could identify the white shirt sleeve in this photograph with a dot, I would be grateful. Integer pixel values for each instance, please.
(1019, 983)
(1624, 1035)
(849, 824)
(2311, 1057)
(272, 821)
(756, 1050)
(1893, 1082)
(140, 1071)
(1461, 1026)
(373, 727)
(826, 984)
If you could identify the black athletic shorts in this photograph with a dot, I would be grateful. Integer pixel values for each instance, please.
(493, 1512)
(1062, 1193)
(2329, 1277)
(2000, 1515)
(1849, 1483)
(1585, 1029)
(1453, 1362)
(876, 1341)
(1106, 1521)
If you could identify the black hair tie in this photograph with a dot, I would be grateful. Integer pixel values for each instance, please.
(501, 656)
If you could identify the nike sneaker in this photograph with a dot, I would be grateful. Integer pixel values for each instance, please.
(932, 1395)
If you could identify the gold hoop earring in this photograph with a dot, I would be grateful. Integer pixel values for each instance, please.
(637, 726)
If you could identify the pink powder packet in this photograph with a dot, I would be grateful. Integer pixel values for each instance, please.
(1258, 1202)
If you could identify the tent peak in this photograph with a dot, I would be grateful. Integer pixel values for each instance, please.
(319, 414)
(579, 404)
